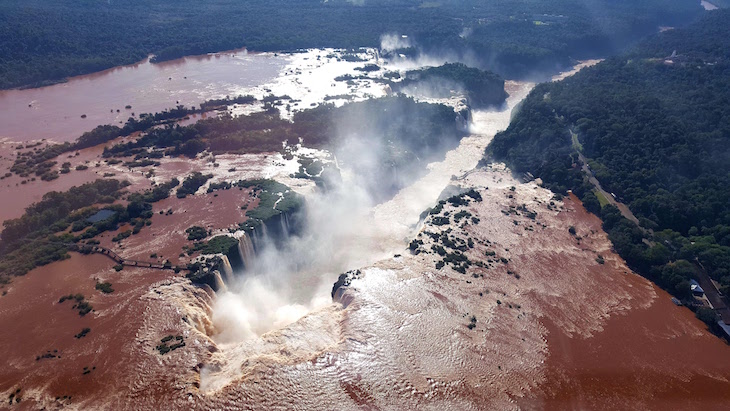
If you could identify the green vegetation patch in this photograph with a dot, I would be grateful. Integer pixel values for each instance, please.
(602, 200)
(105, 287)
(170, 343)
(655, 126)
(221, 244)
(80, 303)
(274, 199)
(192, 183)
(196, 233)
(35, 239)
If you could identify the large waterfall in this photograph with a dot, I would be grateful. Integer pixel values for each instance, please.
(246, 249)
(270, 232)
(220, 285)
(227, 269)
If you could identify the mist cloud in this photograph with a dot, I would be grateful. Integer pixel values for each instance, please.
(286, 282)
(392, 41)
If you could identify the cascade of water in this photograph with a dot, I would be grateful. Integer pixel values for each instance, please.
(264, 233)
(284, 218)
(462, 123)
(256, 239)
(220, 285)
(246, 249)
(227, 269)
(259, 237)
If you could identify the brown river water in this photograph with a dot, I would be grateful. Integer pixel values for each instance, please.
(54, 112)
(554, 328)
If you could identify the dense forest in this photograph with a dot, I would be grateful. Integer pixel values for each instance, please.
(654, 125)
(42, 41)
(482, 88)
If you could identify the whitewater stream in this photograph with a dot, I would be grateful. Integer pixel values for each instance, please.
(346, 231)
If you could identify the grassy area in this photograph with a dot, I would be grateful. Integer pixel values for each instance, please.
(577, 146)
(601, 198)
(274, 199)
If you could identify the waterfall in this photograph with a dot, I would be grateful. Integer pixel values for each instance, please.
(269, 232)
(463, 118)
(219, 284)
(246, 249)
(462, 124)
(284, 218)
(227, 269)
(259, 236)
(264, 233)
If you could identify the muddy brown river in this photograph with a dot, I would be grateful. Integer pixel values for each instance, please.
(54, 112)
(552, 328)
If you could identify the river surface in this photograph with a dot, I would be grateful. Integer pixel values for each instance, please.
(347, 232)
(398, 337)
(308, 77)
(369, 351)
(54, 112)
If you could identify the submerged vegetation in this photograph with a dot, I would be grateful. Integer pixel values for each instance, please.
(274, 199)
(80, 304)
(170, 343)
(105, 287)
(48, 228)
(192, 183)
(39, 160)
(82, 333)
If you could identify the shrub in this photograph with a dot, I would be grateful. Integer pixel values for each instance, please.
(105, 287)
(83, 333)
(196, 233)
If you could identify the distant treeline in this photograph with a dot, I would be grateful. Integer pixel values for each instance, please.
(655, 127)
(43, 41)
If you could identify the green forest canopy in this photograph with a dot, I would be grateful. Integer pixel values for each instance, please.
(483, 88)
(656, 130)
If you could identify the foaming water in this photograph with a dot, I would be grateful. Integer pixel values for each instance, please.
(708, 6)
(404, 209)
(346, 230)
